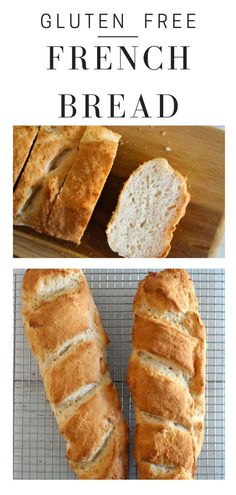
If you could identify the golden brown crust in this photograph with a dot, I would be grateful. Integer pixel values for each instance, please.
(166, 376)
(61, 319)
(157, 394)
(23, 138)
(34, 279)
(170, 290)
(65, 332)
(93, 421)
(56, 320)
(42, 285)
(164, 340)
(147, 471)
(112, 462)
(51, 158)
(83, 365)
(77, 199)
(162, 444)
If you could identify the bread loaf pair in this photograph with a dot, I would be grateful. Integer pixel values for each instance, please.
(64, 329)
(166, 373)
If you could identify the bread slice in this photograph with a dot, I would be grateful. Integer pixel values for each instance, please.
(150, 205)
(77, 199)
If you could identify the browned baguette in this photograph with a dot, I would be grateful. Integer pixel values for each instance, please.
(66, 336)
(23, 138)
(166, 376)
(77, 199)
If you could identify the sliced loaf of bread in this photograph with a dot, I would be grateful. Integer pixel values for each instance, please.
(150, 205)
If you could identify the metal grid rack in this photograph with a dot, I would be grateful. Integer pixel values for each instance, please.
(39, 450)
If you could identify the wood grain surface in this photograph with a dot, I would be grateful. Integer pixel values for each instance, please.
(195, 151)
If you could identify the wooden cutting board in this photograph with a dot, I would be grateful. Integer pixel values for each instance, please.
(197, 152)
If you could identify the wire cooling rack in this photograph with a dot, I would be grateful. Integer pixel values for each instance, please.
(39, 450)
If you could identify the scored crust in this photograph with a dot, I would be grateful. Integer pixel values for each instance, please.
(180, 209)
(165, 340)
(50, 160)
(83, 365)
(86, 428)
(158, 394)
(166, 376)
(73, 367)
(23, 138)
(162, 444)
(171, 290)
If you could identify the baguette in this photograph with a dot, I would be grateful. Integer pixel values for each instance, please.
(23, 138)
(166, 376)
(51, 158)
(64, 330)
(77, 199)
(150, 205)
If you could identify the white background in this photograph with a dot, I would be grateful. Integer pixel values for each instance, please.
(34, 89)
(29, 96)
